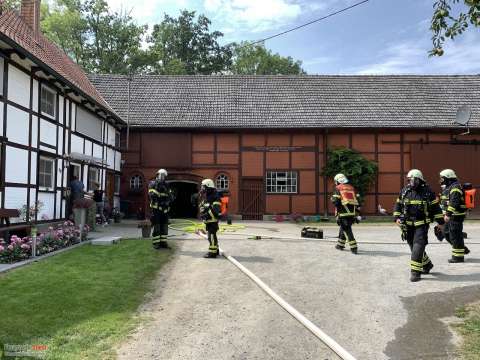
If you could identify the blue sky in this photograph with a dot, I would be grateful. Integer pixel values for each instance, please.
(379, 37)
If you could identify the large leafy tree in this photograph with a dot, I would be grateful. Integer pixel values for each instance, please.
(185, 45)
(251, 59)
(447, 24)
(100, 40)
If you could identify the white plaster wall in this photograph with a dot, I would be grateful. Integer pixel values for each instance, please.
(60, 141)
(15, 198)
(74, 116)
(59, 172)
(48, 200)
(34, 131)
(110, 158)
(118, 158)
(85, 177)
(18, 86)
(61, 119)
(17, 125)
(77, 144)
(88, 147)
(33, 169)
(97, 151)
(35, 96)
(15, 165)
(111, 135)
(48, 132)
(58, 213)
(1, 118)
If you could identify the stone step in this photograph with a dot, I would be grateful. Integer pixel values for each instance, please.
(106, 240)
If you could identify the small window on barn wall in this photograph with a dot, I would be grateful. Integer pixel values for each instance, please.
(222, 182)
(136, 182)
(48, 101)
(46, 167)
(282, 182)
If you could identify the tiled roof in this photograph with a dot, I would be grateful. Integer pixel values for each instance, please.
(13, 28)
(292, 101)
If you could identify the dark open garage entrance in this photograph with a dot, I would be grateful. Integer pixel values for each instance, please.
(183, 206)
(463, 158)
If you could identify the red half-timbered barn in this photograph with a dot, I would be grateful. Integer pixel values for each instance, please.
(266, 137)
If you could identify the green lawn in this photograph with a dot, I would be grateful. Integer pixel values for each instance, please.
(470, 331)
(81, 303)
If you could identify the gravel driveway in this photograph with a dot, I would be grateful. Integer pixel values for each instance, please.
(208, 309)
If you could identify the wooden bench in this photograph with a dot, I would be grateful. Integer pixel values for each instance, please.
(5, 227)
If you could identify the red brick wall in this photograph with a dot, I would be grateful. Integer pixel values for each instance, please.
(249, 155)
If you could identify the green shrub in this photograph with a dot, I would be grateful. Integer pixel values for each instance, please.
(360, 171)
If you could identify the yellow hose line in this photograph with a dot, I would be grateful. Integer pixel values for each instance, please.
(190, 226)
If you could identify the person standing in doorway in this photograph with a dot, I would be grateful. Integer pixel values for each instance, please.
(98, 198)
(160, 197)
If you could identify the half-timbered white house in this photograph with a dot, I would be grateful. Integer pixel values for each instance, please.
(53, 122)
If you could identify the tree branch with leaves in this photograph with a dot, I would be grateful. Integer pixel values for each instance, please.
(446, 24)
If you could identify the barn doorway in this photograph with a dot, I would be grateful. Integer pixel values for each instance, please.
(251, 199)
(184, 205)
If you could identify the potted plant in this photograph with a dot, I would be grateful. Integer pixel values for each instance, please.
(146, 227)
(117, 215)
(80, 207)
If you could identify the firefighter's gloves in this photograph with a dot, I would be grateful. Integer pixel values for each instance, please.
(438, 231)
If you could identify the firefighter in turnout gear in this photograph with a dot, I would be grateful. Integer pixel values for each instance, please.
(454, 210)
(345, 200)
(415, 209)
(210, 209)
(160, 197)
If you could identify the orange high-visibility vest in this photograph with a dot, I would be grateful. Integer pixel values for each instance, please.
(224, 205)
(347, 194)
(470, 198)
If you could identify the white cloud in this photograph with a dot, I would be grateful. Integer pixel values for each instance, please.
(253, 15)
(461, 57)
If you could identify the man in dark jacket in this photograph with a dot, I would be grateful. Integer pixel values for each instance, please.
(210, 209)
(415, 209)
(454, 209)
(160, 197)
(346, 208)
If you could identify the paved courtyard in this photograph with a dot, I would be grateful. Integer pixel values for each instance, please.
(208, 309)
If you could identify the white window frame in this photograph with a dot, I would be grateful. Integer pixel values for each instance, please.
(281, 182)
(97, 177)
(222, 182)
(52, 161)
(137, 182)
(54, 93)
(79, 173)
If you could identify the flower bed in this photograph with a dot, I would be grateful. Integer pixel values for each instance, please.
(55, 238)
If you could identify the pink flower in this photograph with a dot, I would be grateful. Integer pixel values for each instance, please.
(10, 247)
(1, 248)
(50, 228)
(25, 246)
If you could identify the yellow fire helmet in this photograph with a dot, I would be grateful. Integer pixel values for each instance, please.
(340, 179)
(208, 183)
(448, 173)
(415, 173)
